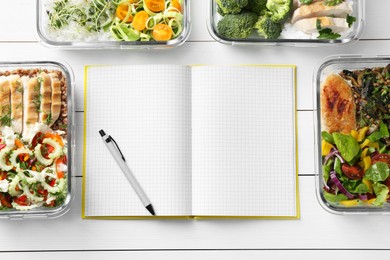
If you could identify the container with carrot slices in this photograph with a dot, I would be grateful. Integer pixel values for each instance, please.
(113, 23)
(36, 139)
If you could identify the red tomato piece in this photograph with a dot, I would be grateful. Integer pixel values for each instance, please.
(354, 172)
(381, 158)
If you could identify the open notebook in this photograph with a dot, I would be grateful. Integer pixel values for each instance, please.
(202, 141)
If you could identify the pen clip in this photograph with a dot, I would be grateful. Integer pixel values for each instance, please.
(117, 146)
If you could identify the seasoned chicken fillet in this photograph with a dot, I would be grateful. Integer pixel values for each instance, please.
(45, 104)
(31, 103)
(55, 98)
(309, 25)
(338, 110)
(16, 103)
(5, 106)
(318, 9)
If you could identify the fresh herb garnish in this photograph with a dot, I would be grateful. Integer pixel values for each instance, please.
(48, 119)
(5, 119)
(327, 33)
(350, 20)
(37, 102)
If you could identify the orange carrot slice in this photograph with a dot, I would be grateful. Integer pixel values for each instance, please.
(19, 143)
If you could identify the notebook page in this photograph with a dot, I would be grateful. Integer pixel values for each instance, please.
(146, 109)
(243, 141)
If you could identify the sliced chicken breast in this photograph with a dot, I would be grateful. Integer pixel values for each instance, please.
(5, 105)
(338, 109)
(318, 9)
(45, 95)
(309, 25)
(55, 98)
(16, 103)
(31, 100)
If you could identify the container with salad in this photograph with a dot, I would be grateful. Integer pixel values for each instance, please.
(286, 22)
(113, 23)
(35, 139)
(353, 112)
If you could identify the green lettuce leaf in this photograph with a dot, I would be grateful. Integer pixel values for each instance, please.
(381, 192)
(348, 146)
(377, 172)
(381, 133)
(334, 198)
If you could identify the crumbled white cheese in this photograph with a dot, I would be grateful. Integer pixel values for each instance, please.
(4, 184)
(62, 167)
(9, 137)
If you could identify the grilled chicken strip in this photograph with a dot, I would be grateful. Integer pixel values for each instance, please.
(5, 106)
(55, 98)
(338, 108)
(45, 95)
(16, 103)
(309, 25)
(31, 100)
(318, 9)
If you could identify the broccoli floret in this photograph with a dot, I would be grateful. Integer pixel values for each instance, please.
(268, 28)
(231, 6)
(279, 9)
(256, 6)
(236, 26)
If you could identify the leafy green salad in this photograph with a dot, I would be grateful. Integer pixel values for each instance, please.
(356, 165)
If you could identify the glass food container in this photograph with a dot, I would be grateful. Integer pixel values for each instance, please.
(291, 36)
(352, 144)
(80, 28)
(37, 139)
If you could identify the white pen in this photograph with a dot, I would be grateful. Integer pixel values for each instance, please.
(121, 161)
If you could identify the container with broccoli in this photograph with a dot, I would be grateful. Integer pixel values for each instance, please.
(285, 19)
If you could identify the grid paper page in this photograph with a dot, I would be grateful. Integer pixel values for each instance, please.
(243, 151)
(146, 109)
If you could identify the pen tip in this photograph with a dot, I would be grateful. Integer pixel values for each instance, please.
(102, 133)
(150, 209)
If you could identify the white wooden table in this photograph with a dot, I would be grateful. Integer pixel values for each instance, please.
(317, 234)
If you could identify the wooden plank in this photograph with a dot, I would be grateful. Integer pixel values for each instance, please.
(317, 229)
(306, 59)
(20, 17)
(195, 255)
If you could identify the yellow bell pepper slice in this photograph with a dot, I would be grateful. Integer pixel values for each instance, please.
(361, 134)
(365, 143)
(326, 147)
(373, 145)
(369, 202)
(364, 153)
(366, 162)
(369, 185)
(354, 134)
(349, 203)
